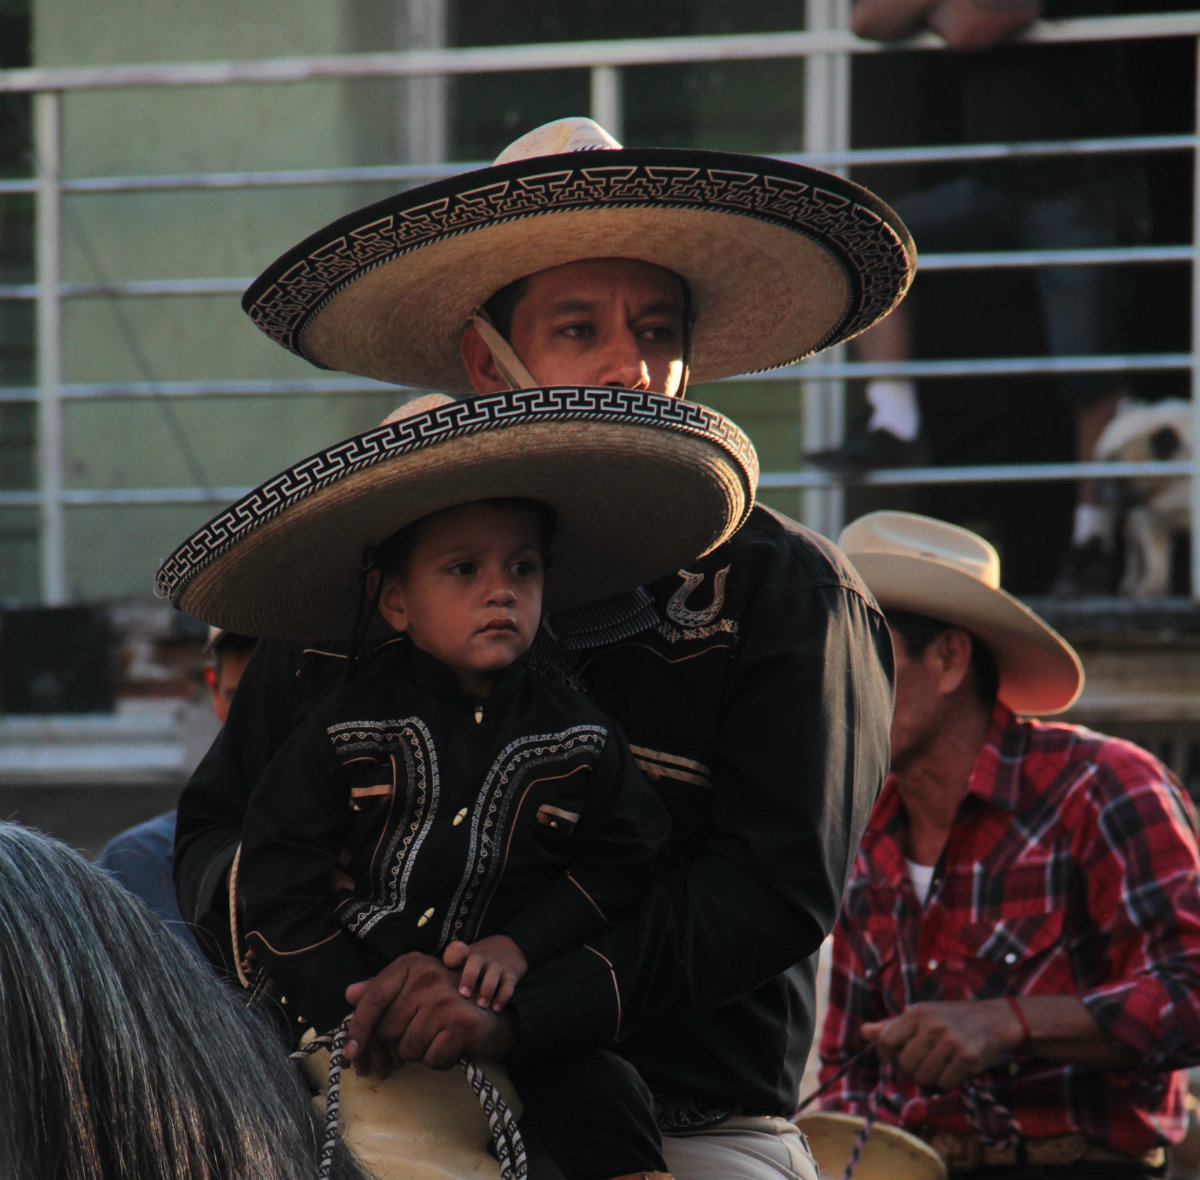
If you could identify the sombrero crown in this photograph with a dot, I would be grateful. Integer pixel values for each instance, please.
(640, 483)
(780, 260)
(929, 567)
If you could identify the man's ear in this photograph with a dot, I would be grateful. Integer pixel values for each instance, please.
(477, 359)
(953, 651)
(391, 604)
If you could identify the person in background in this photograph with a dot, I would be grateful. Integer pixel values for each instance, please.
(1016, 969)
(1008, 93)
(142, 857)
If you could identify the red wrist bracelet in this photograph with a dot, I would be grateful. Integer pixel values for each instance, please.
(1027, 1035)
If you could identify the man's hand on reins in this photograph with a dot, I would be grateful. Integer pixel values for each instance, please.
(413, 1006)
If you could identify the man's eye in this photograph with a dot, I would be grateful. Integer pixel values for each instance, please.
(576, 331)
(659, 333)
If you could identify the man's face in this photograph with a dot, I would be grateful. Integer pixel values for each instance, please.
(604, 321)
(916, 715)
(471, 592)
(223, 680)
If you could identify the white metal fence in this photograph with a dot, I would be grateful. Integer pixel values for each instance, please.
(827, 104)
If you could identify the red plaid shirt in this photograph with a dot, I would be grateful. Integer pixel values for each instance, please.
(1071, 869)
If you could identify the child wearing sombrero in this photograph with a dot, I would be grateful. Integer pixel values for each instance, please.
(490, 815)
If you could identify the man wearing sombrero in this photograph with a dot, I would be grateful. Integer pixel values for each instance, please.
(753, 684)
(1020, 939)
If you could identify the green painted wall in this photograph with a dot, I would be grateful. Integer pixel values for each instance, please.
(213, 442)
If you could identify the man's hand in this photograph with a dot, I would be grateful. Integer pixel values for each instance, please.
(942, 1044)
(490, 969)
(413, 1006)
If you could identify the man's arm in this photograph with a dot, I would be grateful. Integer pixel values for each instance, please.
(275, 692)
(942, 1044)
(962, 24)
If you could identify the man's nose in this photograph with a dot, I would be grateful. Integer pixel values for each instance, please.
(625, 367)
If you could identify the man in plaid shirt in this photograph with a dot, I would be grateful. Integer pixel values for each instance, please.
(1016, 971)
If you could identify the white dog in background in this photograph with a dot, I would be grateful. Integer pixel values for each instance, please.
(1156, 508)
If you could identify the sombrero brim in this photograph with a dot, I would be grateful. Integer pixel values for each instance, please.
(890, 1153)
(1039, 671)
(641, 484)
(781, 260)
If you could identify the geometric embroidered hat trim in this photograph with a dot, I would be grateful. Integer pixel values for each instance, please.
(641, 484)
(781, 260)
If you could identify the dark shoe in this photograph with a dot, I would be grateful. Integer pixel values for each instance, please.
(1088, 571)
(870, 450)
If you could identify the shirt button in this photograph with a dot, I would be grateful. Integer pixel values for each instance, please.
(932, 964)
(1010, 958)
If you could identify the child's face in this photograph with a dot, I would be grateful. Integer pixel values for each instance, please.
(471, 593)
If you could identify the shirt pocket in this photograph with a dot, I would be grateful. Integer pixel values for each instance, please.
(370, 785)
(1012, 954)
(556, 818)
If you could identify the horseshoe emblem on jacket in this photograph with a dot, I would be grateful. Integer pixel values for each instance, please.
(678, 613)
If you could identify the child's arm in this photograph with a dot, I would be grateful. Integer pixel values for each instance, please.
(491, 968)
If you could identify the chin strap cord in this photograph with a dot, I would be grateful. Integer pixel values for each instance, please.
(507, 361)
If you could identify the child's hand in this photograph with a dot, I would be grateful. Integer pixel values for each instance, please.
(493, 965)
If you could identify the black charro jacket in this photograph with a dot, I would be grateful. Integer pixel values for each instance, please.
(522, 813)
(761, 704)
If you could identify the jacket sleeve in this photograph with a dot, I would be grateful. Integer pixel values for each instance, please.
(620, 831)
(291, 835)
(272, 696)
(801, 753)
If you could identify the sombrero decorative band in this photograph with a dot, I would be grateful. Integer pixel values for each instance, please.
(640, 483)
(781, 260)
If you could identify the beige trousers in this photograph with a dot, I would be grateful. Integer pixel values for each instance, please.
(740, 1148)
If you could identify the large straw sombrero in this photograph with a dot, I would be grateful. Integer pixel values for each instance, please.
(641, 484)
(781, 260)
(929, 567)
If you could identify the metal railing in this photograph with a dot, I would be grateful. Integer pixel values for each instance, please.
(827, 106)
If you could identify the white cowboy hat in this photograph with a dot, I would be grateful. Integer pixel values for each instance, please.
(928, 567)
(641, 484)
(780, 260)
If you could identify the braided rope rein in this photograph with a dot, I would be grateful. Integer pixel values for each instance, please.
(510, 1147)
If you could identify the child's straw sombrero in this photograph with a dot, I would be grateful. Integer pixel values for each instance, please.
(641, 484)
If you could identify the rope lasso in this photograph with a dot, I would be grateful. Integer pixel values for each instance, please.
(335, 1042)
(886, 1072)
(510, 1147)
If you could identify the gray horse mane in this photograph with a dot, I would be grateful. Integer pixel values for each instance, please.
(122, 1057)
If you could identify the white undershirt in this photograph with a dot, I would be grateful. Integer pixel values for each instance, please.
(922, 877)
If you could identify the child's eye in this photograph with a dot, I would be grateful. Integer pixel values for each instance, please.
(525, 569)
(463, 569)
